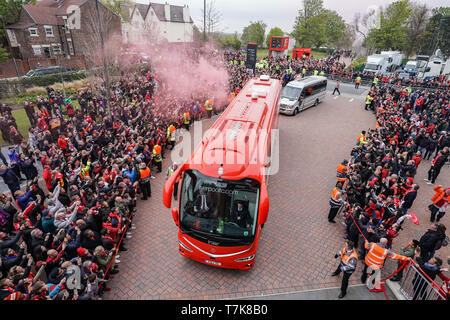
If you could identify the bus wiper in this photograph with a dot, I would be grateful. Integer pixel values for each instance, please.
(196, 232)
(220, 237)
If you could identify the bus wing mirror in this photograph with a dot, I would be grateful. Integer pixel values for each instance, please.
(175, 216)
(263, 203)
(169, 185)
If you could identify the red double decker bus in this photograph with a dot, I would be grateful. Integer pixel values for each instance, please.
(223, 202)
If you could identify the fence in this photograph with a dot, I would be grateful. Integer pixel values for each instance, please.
(415, 285)
(367, 82)
(8, 69)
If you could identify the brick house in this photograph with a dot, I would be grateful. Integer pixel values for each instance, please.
(54, 28)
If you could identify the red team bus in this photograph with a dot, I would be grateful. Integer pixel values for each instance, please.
(223, 198)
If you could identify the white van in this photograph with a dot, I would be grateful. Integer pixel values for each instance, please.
(303, 93)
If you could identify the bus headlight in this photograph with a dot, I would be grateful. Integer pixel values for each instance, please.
(185, 247)
(246, 258)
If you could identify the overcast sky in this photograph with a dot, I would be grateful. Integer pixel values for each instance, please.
(236, 14)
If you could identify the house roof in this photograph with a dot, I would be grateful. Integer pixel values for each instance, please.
(143, 9)
(21, 25)
(176, 12)
(41, 14)
(159, 10)
(49, 12)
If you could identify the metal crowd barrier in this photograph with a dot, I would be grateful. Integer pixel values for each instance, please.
(414, 285)
(367, 82)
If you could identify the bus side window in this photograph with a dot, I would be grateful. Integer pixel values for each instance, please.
(308, 91)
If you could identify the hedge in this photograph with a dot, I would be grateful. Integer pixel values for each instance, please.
(18, 85)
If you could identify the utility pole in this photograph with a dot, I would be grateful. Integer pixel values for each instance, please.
(61, 75)
(102, 44)
(204, 20)
(9, 45)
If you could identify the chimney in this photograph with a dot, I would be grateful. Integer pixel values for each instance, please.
(186, 16)
(167, 11)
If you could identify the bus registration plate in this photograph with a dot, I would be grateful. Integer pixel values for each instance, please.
(213, 262)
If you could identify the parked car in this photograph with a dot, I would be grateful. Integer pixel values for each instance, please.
(47, 70)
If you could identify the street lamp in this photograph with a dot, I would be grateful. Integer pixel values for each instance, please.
(9, 45)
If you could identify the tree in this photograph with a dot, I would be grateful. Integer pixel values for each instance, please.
(274, 32)
(437, 34)
(119, 7)
(347, 39)
(3, 54)
(334, 27)
(392, 32)
(9, 11)
(316, 26)
(197, 34)
(212, 16)
(229, 41)
(416, 28)
(254, 33)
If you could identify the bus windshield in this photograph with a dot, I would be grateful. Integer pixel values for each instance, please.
(220, 212)
(291, 93)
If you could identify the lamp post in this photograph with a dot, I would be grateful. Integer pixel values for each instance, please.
(61, 74)
(9, 45)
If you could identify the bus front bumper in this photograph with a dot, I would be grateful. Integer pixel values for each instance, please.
(244, 261)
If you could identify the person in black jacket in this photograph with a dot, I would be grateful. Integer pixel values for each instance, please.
(438, 162)
(10, 178)
(409, 198)
(431, 147)
(431, 241)
(431, 268)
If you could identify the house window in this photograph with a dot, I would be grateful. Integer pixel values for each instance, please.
(56, 49)
(48, 31)
(46, 49)
(33, 32)
(37, 50)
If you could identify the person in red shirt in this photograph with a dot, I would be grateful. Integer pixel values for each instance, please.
(417, 158)
(62, 142)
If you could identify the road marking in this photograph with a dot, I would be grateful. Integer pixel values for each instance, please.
(351, 100)
(335, 97)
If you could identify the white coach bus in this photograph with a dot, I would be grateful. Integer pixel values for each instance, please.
(303, 93)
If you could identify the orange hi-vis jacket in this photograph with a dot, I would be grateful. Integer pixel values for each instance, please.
(346, 260)
(440, 195)
(376, 255)
(144, 173)
(336, 198)
(341, 172)
(361, 139)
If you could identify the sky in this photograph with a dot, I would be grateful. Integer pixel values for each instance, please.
(236, 14)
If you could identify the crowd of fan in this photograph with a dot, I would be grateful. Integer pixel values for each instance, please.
(92, 156)
(286, 69)
(380, 182)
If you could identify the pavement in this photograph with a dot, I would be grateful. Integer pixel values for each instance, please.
(297, 247)
(296, 251)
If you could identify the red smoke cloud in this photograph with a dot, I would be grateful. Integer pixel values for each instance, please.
(189, 74)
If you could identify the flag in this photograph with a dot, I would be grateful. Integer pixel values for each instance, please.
(414, 218)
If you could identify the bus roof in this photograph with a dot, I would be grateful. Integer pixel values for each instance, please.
(302, 82)
(238, 140)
